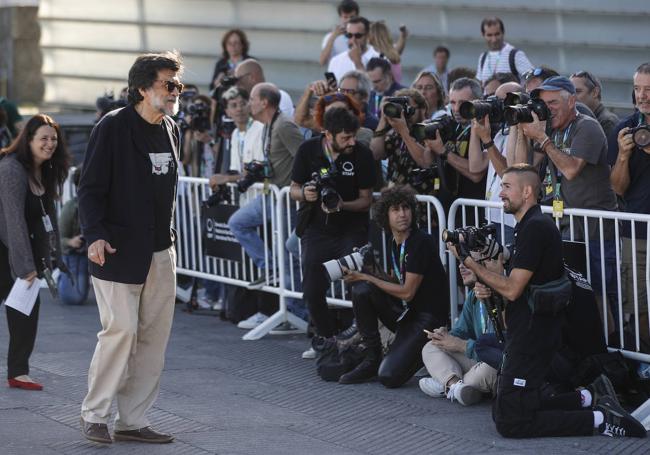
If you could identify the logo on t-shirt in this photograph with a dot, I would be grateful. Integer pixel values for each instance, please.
(348, 169)
(160, 163)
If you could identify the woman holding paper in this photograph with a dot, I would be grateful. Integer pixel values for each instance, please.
(32, 171)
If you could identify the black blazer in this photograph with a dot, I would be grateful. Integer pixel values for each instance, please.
(116, 195)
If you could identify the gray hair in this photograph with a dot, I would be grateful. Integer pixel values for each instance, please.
(363, 82)
(473, 84)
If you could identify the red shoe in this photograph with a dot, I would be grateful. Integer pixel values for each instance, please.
(17, 384)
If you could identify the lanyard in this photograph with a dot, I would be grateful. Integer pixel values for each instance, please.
(378, 98)
(565, 137)
(400, 271)
(47, 225)
(551, 170)
(241, 139)
(267, 136)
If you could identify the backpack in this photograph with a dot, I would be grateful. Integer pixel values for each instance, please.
(511, 61)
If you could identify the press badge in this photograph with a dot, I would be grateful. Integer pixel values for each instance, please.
(558, 208)
(519, 382)
(47, 223)
(436, 184)
(549, 189)
(401, 316)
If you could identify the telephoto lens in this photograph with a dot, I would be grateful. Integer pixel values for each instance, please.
(354, 261)
(492, 107)
(392, 110)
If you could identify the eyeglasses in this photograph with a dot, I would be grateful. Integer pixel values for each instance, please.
(347, 91)
(356, 35)
(535, 72)
(588, 76)
(171, 85)
(423, 88)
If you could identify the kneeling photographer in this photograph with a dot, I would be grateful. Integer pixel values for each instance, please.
(333, 176)
(416, 301)
(538, 291)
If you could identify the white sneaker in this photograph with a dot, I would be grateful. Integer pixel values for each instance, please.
(432, 387)
(253, 321)
(309, 354)
(464, 394)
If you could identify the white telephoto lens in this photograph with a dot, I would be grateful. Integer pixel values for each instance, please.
(334, 271)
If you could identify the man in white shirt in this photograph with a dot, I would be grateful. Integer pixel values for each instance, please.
(335, 41)
(359, 53)
(250, 73)
(501, 57)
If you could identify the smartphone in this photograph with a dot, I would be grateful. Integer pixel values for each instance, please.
(331, 80)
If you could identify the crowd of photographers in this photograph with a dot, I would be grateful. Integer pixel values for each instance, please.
(508, 131)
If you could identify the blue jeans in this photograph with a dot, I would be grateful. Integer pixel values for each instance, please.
(77, 293)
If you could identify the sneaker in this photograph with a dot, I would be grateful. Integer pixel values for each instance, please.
(284, 329)
(618, 422)
(253, 321)
(262, 281)
(602, 387)
(309, 354)
(348, 333)
(218, 305)
(464, 394)
(432, 387)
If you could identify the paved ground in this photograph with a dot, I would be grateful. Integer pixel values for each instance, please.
(222, 395)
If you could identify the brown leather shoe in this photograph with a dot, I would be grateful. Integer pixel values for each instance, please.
(146, 434)
(97, 432)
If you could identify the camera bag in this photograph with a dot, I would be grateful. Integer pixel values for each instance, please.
(549, 299)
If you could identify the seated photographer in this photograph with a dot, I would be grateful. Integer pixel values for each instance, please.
(538, 291)
(73, 287)
(455, 368)
(415, 300)
(333, 176)
(460, 180)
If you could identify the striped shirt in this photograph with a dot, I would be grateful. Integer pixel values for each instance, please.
(499, 62)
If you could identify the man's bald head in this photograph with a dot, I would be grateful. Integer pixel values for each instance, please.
(249, 73)
(506, 88)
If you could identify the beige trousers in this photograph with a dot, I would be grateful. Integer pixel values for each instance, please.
(443, 365)
(130, 353)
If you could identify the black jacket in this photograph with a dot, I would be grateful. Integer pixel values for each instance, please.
(116, 195)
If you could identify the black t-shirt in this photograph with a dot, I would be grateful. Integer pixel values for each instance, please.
(421, 257)
(538, 248)
(163, 170)
(354, 171)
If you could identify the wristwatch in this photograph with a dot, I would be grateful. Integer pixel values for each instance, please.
(487, 145)
(212, 143)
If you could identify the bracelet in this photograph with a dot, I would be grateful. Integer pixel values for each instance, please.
(544, 142)
(487, 145)
(380, 133)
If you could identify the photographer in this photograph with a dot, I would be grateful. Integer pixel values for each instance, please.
(536, 290)
(346, 171)
(450, 358)
(416, 300)
(200, 150)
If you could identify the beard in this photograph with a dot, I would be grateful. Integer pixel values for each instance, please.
(160, 104)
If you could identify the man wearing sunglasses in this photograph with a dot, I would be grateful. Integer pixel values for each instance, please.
(335, 41)
(589, 91)
(359, 51)
(127, 195)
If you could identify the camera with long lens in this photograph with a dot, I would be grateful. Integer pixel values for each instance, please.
(395, 105)
(477, 109)
(355, 261)
(419, 177)
(641, 135)
(523, 113)
(326, 187)
(478, 239)
(514, 98)
(445, 126)
(219, 195)
(256, 171)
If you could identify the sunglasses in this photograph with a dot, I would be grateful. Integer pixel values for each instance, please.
(586, 75)
(171, 85)
(536, 72)
(356, 35)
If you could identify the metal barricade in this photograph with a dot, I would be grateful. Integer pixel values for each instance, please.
(597, 237)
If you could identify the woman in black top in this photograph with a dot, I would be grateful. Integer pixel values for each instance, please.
(32, 171)
(235, 49)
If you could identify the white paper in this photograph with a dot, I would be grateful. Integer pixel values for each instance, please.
(23, 296)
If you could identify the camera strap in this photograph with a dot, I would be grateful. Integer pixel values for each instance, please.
(49, 228)
(267, 151)
(400, 270)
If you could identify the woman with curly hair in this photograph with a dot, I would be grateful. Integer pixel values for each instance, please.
(32, 171)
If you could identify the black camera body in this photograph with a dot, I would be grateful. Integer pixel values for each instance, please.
(492, 106)
(477, 239)
(445, 126)
(256, 171)
(326, 187)
(395, 105)
(523, 113)
(418, 177)
(200, 113)
(221, 194)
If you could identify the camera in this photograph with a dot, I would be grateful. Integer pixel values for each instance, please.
(218, 196)
(325, 185)
(445, 126)
(419, 177)
(395, 105)
(256, 171)
(523, 113)
(353, 261)
(514, 98)
(200, 113)
(108, 103)
(640, 135)
(491, 106)
(477, 239)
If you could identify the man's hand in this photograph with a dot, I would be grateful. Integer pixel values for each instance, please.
(338, 30)
(76, 241)
(495, 265)
(447, 342)
(352, 276)
(320, 88)
(310, 193)
(218, 179)
(398, 124)
(96, 251)
(481, 291)
(355, 55)
(535, 130)
(435, 145)
(625, 143)
(201, 136)
(482, 129)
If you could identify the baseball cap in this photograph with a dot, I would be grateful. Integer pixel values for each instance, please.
(553, 84)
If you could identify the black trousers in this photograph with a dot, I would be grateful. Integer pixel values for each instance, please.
(525, 412)
(22, 335)
(404, 357)
(319, 247)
